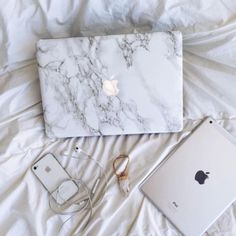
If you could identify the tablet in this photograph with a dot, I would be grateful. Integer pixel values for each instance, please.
(196, 183)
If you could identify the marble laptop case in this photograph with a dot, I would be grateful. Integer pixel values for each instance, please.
(111, 85)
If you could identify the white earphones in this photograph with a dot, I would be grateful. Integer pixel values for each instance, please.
(86, 203)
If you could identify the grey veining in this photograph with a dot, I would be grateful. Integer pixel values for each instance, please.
(72, 72)
(129, 45)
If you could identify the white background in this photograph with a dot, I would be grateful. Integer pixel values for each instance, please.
(209, 29)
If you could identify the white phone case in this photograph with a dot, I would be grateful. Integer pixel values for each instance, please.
(54, 178)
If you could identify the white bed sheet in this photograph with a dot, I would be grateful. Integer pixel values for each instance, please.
(209, 29)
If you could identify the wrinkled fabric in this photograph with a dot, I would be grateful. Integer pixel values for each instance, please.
(209, 44)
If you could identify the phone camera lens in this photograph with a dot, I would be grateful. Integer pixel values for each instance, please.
(35, 167)
(210, 122)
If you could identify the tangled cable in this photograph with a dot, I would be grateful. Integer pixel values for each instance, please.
(78, 204)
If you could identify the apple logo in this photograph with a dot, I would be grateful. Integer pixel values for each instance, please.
(110, 87)
(48, 169)
(201, 176)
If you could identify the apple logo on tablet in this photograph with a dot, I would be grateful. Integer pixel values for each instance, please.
(110, 87)
(201, 176)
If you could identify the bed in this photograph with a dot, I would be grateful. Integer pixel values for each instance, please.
(209, 46)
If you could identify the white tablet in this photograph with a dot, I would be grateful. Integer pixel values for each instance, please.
(197, 182)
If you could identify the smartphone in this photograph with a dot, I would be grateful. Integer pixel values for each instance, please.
(54, 178)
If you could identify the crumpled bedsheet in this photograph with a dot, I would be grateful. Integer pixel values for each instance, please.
(209, 44)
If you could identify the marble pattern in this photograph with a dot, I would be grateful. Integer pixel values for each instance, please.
(130, 45)
(147, 69)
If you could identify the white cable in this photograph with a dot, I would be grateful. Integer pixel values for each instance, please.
(102, 170)
(87, 201)
(61, 212)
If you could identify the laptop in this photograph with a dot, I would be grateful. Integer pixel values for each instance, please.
(111, 85)
(196, 183)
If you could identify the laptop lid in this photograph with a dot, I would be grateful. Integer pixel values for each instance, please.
(196, 183)
(111, 85)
